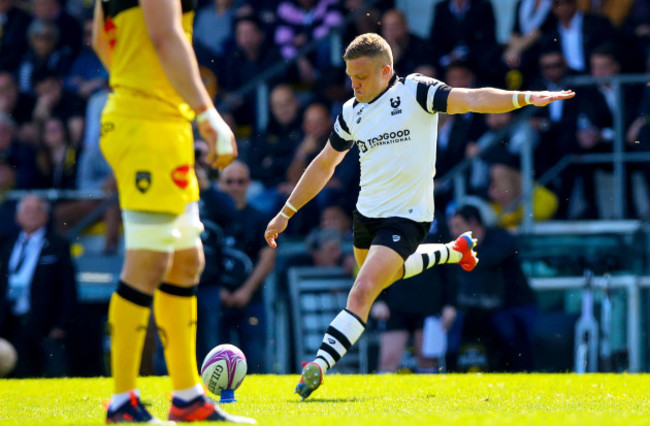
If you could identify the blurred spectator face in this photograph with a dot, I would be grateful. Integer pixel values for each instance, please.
(248, 37)
(458, 225)
(365, 22)
(316, 121)
(222, 4)
(201, 153)
(498, 121)
(46, 9)
(505, 184)
(307, 4)
(234, 181)
(459, 77)
(31, 213)
(393, 27)
(43, 38)
(8, 92)
(329, 254)
(6, 132)
(7, 177)
(49, 87)
(4, 6)
(88, 32)
(564, 9)
(54, 133)
(333, 217)
(604, 66)
(284, 105)
(428, 70)
(552, 66)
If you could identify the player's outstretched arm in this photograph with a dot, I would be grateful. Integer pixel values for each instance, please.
(491, 100)
(316, 175)
(99, 37)
(163, 19)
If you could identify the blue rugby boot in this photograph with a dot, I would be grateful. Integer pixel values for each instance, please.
(312, 377)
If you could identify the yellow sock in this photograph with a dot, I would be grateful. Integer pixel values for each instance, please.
(175, 312)
(128, 317)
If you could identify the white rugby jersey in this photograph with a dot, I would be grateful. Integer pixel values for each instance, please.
(396, 135)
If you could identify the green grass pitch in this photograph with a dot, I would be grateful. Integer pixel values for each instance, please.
(470, 399)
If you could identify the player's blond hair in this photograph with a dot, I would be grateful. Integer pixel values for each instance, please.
(371, 45)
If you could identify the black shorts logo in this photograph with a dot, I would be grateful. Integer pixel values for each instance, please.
(106, 127)
(143, 181)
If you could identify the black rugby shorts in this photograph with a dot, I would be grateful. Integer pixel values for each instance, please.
(400, 234)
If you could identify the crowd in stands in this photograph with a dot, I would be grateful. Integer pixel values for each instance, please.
(53, 87)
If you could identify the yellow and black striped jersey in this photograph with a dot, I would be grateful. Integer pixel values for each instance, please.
(140, 85)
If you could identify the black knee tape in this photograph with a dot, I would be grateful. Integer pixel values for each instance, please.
(132, 295)
(175, 290)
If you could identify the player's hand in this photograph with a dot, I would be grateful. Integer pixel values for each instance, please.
(240, 297)
(276, 226)
(222, 147)
(544, 98)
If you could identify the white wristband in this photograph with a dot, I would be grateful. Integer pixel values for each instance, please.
(288, 204)
(515, 100)
(527, 98)
(211, 115)
(284, 215)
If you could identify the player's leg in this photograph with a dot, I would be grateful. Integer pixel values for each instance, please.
(428, 255)
(380, 269)
(149, 239)
(380, 246)
(175, 309)
(391, 349)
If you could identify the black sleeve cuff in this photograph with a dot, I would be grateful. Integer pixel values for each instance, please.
(338, 143)
(440, 98)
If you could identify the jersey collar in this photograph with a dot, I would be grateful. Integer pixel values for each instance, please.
(391, 83)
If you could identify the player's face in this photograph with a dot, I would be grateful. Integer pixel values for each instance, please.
(369, 77)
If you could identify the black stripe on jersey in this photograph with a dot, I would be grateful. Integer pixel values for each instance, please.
(421, 95)
(115, 7)
(339, 336)
(343, 124)
(338, 143)
(441, 97)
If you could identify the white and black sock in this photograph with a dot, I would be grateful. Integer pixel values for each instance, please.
(341, 334)
(428, 255)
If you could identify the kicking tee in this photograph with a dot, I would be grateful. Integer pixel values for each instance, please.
(396, 134)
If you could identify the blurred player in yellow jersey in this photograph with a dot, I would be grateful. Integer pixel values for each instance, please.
(146, 137)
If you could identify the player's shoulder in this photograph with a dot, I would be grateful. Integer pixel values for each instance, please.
(348, 108)
(415, 79)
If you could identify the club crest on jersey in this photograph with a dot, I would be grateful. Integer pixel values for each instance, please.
(143, 181)
(395, 103)
(180, 176)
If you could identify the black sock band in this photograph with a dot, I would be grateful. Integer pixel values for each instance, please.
(132, 295)
(175, 290)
